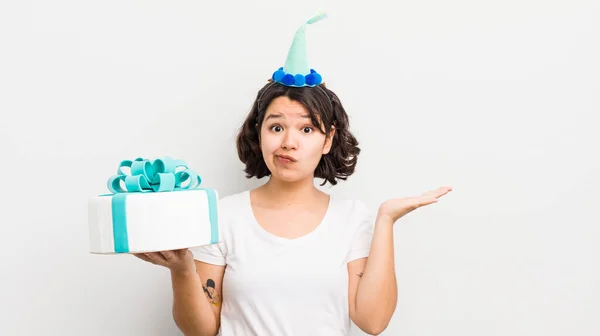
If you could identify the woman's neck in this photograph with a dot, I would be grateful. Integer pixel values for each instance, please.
(289, 192)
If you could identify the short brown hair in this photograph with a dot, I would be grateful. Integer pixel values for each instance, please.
(324, 108)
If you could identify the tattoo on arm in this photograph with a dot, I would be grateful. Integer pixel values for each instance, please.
(360, 274)
(211, 292)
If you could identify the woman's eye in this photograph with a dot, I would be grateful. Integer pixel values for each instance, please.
(307, 129)
(276, 128)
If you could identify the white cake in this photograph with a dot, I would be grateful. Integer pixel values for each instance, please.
(153, 221)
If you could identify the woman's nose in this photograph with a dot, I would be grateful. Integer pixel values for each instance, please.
(289, 141)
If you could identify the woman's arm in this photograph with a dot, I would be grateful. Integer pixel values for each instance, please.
(196, 291)
(373, 292)
(197, 299)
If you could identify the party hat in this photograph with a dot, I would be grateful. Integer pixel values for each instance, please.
(296, 71)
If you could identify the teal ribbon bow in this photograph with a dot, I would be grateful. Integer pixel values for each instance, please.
(160, 175)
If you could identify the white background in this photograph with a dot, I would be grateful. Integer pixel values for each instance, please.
(498, 99)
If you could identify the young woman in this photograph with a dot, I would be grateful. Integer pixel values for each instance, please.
(293, 260)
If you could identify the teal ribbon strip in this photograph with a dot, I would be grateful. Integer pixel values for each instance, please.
(119, 219)
(213, 215)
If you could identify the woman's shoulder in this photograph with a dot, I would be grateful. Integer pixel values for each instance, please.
(350, 207)
(232, 210)
(235, 200)
(350, 216)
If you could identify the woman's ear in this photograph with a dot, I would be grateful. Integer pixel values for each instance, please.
(329, 141)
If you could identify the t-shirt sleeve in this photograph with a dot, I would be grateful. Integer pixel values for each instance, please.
(361, 242)
(211, 254)
(216, 254)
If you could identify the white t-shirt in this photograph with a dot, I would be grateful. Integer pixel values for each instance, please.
(278, 286)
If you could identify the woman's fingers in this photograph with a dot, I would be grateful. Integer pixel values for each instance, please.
(181, 253)
(169, 256)
(142, 256)
(170, 259)
(156, 258)
(433, 195)
(439, 192)
(425, 200)
(150, 257)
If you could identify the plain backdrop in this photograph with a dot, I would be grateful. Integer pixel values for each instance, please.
(498, 99)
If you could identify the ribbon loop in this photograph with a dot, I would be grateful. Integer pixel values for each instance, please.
(166, 182)
(160, 175)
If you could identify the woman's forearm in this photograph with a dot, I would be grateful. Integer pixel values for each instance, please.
(191, 310)
(377, 292)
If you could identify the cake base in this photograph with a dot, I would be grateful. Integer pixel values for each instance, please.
(153, 221)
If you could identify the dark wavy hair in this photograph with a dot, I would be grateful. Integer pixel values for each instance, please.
(325, 111)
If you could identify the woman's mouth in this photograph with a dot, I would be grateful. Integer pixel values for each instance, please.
(285, 159)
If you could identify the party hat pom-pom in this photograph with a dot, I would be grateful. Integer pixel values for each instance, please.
(288, 79)
(318, 78)
(278, 75)
(299, 80)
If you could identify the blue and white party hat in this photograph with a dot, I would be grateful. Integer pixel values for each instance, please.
(296, 71)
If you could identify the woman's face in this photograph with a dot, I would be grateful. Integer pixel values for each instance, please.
(291, 145)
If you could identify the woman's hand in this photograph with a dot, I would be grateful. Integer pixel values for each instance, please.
(178, 261)
(398, 207)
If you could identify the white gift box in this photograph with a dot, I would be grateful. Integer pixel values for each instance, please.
(153, 221)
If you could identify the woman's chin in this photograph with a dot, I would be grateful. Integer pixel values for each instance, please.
(290, 177)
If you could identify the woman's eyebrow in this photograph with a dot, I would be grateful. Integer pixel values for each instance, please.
(279, 115)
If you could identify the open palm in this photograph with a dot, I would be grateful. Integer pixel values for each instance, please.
(398, 207)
